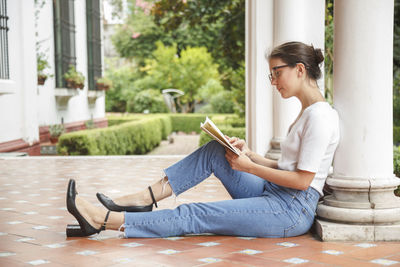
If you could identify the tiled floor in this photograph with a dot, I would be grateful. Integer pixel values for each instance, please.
(33, 219)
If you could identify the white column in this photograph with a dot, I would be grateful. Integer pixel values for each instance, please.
(29, 74)
(259, 32)
(363, 205)
(294, 20)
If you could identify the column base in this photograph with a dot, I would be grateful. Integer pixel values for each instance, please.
(332, 231)
(275, 151)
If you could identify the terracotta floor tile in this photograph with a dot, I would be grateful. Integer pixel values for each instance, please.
(168, 244)
(205, 252)
(340, 260)
(394, 257)
(380, 251)
(196, 239)
(252, 260)
(262, 244)
(285, 253)
(224, 263)
(173, 260)
(11, 262)
(35, 195)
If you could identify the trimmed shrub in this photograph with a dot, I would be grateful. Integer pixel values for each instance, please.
(229, 131)
(187, 122)
(135, 137)
(129, 134)
(224, 119)
(166, 126)
(116, 121)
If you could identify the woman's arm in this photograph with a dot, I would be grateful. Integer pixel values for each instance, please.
(299, 179)
(242, 146)
(261, 160)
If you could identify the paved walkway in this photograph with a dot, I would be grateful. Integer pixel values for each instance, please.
(180, 144)
(33, 219)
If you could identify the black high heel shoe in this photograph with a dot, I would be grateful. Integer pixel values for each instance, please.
(109, 204)
(84, 228)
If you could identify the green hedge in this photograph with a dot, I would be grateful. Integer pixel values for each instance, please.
(166, 126)
(187, 122)
(135, 137)
(118, 118)
(227, 130)
(129, 134)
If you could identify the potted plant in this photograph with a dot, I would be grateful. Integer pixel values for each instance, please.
(55, 131)
(74, 78)
(103, 84)
(42, 65)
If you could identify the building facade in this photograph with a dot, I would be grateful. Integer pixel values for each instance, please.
(64, 33)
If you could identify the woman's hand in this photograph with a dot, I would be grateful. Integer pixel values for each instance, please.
(240, 144)
(239, 163)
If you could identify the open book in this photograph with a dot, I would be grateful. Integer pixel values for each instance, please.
(212, 130)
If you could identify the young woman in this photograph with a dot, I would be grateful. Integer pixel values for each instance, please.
(269, 198)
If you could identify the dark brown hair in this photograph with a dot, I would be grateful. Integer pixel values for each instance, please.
(296, 52)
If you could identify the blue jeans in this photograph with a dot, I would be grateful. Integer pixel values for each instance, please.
(258, 208)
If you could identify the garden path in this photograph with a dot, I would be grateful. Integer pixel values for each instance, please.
(183, 144)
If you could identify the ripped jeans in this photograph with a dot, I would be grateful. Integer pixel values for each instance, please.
(258, 208)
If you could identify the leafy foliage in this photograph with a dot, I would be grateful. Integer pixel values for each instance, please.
(329, 29)
(122, 88)
(74, 78)
(396, 165)
(222, 21)
(192, 73)
(149, 100)
(166, 39)
(239, 90)
(396, 37)
(56, 130)
(222, 102)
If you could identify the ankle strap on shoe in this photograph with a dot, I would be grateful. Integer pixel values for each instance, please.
(152, 197)
(103, 227)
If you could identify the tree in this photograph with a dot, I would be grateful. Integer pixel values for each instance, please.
(222, 21)
(329, 29)
(192, 72)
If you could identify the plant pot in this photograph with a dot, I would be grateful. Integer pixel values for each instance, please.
(74, 85)
(102, 86)
(71, 84)
(53, 139)
(41, 79)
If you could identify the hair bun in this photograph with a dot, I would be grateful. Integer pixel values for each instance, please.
(319, 57)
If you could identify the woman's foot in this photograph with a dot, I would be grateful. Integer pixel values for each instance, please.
(92, 214)
(139, 199)
(91, 219)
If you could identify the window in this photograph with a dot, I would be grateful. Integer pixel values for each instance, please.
(93, 42)
(64, 36)
(4, 63)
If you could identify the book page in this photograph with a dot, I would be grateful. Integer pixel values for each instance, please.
(212, 130)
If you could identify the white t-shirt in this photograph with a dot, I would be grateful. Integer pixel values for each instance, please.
(311, 143)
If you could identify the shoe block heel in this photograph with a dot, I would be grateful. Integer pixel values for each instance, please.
(74, 230)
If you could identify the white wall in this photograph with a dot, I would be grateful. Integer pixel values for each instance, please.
(16, 117)
(24, 105)
(78, 108)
